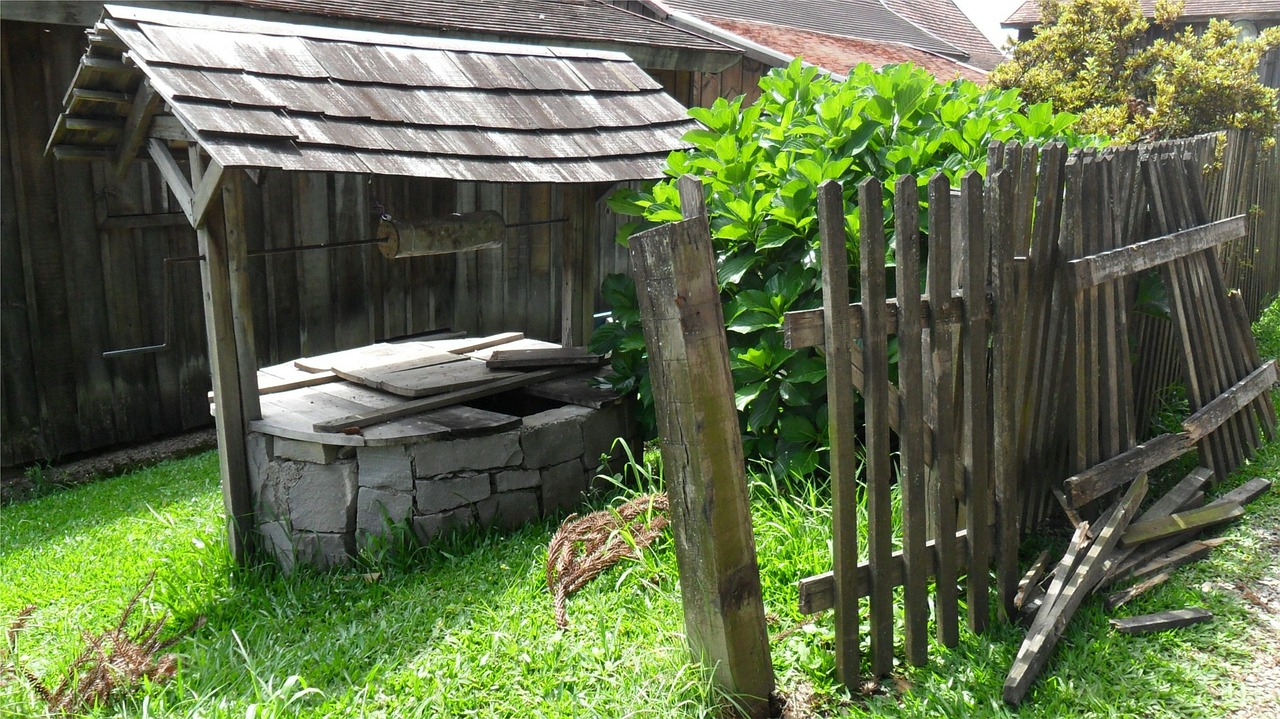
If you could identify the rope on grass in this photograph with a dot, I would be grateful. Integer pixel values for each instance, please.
(583, 547)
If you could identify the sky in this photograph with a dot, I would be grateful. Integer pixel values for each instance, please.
(987, 14)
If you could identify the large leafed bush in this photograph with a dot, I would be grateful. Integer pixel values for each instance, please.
(761, 166)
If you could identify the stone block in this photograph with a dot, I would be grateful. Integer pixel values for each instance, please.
(278, 541)
(324, 497)
(491, 452)
(301, 451)
(376, 507)
(258, 447)
(562, 486)
(448, 491)
(508, 510)
(385, 468)
(272, 497)
(324, 550)
(513, 479)
(430, 526)
(553, 436)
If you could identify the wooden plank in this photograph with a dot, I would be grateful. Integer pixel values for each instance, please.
(1173, 619)
(1179, 556)
(1179, 522)
(817, 593)
(878, 472)
(1105, 476)
(1115, 264)
(576, 390)
(1059, 607)
(1031, 580)
(702, 454)
(312, 201)
(464, 345)
(379, 355)
(911, 434)
(558, 357)
(1243, 335)
(435, 379)
(948, 467)
(977, 416)
(842, 414)
(472, 422)
(356, 421)
(1121, 598)
(284, 377)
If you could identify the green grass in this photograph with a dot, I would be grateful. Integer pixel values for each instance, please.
(464, 628)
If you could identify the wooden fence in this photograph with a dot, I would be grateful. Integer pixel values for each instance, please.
(1015, 386)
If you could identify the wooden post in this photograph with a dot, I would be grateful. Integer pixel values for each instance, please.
(683, 321)
(223, 277)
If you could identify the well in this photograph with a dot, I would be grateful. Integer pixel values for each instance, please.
(498, 460)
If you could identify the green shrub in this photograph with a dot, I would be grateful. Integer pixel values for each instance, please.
(1093, 57)
(761, 166)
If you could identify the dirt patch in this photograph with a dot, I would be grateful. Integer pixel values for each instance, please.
(1262, 679)
(17, 485)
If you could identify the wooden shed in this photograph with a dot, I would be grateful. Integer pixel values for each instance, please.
(92, 251)
(239, 114)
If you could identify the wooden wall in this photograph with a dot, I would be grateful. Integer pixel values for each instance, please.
(82, 262)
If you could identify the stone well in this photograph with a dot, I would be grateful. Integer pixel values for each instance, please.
(317, 503)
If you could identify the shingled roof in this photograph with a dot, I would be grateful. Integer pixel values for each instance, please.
(297, 97)
(944, 19)
(1028, 14)
(863, 19)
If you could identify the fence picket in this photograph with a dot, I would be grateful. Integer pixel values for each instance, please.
(843, 413)
(879, 474)
(946, 442)
(977, 408)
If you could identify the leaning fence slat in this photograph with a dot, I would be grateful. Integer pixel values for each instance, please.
(911, 436)
(879, 474)
(946, 443)
(977, 405)
(999, 211)
(702, 455)
(843, 417)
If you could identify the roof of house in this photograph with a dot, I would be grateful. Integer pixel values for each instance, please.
(944, 19)
(1028, 14)
(297, 97)
(862, 19)
(838, 54)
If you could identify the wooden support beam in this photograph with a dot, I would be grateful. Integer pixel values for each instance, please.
(146, 103)
(1121, 598)
(1031, 580)
(1173, 619)
(1226, 405)
(1104, 267)
(817, 593)
(683, 322)
(1115, 472)
(207, 189)
(174, 177)
(805, 328)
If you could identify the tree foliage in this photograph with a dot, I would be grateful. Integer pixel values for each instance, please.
(761, 166)
(1095, 58)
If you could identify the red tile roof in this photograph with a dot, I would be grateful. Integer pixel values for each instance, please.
(1028, 13)
(838, 53)
(944, 19)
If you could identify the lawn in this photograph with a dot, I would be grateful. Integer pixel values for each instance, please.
(465, 627)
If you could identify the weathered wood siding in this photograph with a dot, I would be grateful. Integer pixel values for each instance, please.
(83, 274)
